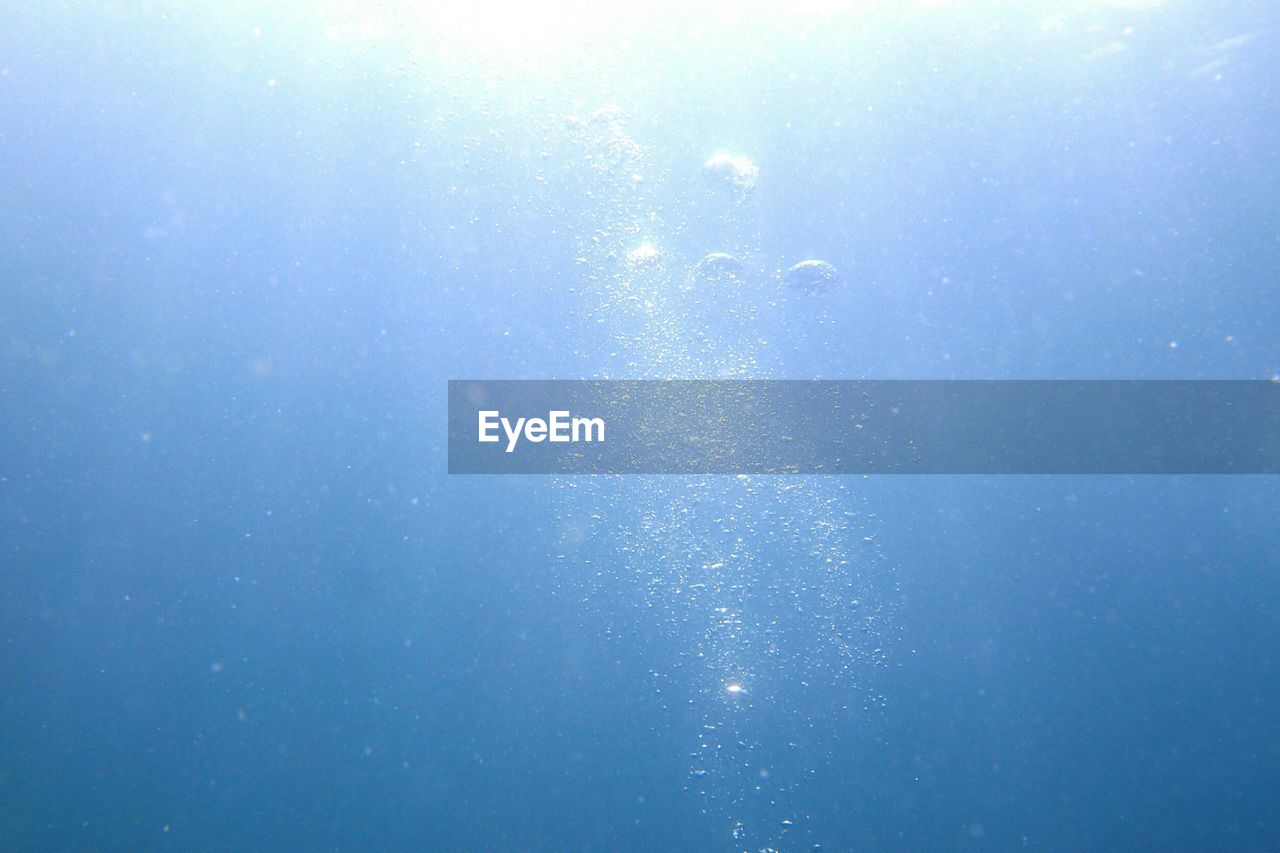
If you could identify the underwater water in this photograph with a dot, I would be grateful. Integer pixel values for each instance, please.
(243, 605)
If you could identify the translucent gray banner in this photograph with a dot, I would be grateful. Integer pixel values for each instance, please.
(863, 427)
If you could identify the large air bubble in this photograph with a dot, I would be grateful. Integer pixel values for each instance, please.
(811, 276)
(733, 171)
(718, 271)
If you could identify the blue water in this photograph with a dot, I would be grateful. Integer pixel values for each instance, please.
(244, 607)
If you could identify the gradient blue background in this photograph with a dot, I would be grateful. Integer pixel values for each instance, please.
(243, 607)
